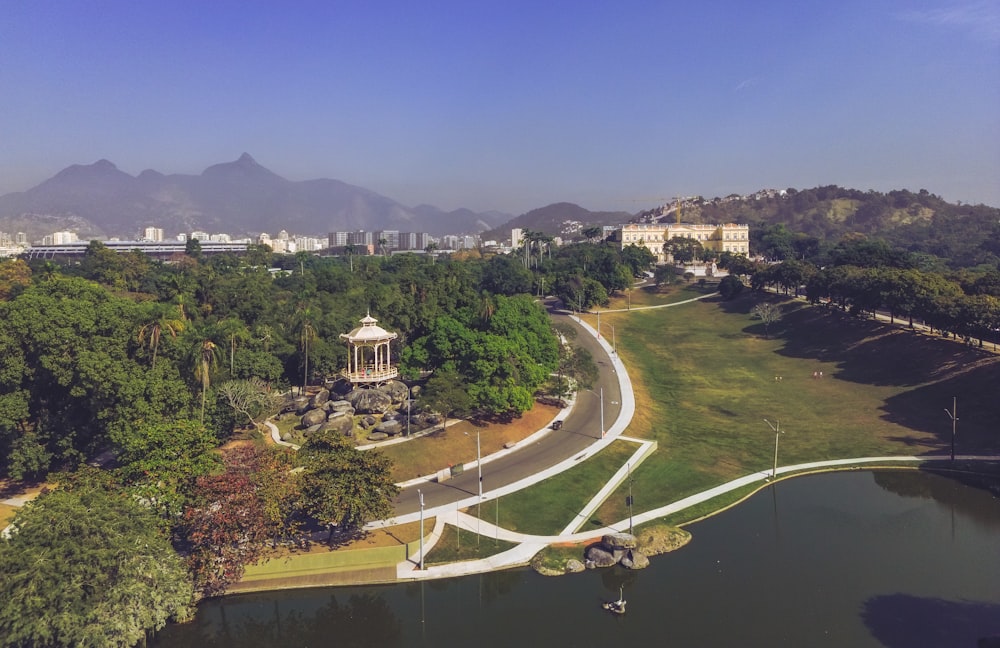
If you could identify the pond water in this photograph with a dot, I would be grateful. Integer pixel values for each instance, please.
(893, 558)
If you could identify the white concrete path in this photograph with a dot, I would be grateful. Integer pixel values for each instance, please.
(529, 545)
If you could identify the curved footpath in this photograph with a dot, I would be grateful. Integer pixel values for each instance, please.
(529, 545)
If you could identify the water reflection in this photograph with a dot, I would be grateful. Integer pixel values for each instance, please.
(843, 559)
(903, 621)
(254, 621)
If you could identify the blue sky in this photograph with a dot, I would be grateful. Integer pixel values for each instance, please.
(510, 104)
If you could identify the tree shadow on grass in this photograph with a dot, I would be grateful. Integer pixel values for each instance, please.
(874, 353)
(904, 621)
(923, 408)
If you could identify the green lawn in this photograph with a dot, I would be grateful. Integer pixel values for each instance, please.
(547, 507)
(706, 379)
(456, 545)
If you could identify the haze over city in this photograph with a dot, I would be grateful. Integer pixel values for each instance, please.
(513, 105)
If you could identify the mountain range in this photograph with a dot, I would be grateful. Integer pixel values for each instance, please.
(241, 198)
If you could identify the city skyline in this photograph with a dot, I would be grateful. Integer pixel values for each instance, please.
(514, 106)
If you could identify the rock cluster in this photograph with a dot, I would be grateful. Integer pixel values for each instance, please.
(382, 411)
(616, 549)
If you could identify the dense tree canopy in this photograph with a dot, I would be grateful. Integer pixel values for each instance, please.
(343, 487)
(88, 567)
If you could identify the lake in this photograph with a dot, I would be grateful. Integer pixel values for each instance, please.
(859, 558)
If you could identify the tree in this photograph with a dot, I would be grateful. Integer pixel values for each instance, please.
(445, 392)
(206, 360)
(228, 524)
(15, 275)
(162, 462)
(305, 317)
(730, 287)
(683, 249)
(250, 398)
(160, 318)
(235, 330)
(344, 487)
(85, 566)
(768, 313)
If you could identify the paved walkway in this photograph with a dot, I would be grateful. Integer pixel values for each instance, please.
(529, 545)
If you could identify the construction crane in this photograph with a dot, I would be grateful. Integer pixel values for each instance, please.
(676, 200)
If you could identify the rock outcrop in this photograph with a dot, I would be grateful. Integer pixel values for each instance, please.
(616, 549)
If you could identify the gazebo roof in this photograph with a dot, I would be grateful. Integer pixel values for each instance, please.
(369, 332)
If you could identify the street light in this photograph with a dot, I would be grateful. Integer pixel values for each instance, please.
(777, 430)
(629, 468)
(601, 396)
(421, 528)
(479, 467)
(953, 415)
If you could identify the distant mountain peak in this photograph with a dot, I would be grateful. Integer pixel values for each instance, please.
(247, 159)
(103, 164)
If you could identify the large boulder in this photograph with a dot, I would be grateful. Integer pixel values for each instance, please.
(370, 401)
(392, 428)
(299, 405)
(619, 541)
(313, 417)
(341, 406)
(342, 424)
(599, 556)
(397, 391)
(378, 436)
(574, 566)
(634, 559)
(319, 398)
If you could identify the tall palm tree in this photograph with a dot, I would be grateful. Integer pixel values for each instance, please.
(350, 250)
(235, 330)
(305, 316)
(162, 319)
(206, 361)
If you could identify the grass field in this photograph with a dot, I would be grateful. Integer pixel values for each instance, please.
(546, 508)
(706, 377)
(455, 545)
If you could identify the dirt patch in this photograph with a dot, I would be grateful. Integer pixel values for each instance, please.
(456, 445)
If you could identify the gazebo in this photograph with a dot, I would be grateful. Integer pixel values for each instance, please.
(368, 357)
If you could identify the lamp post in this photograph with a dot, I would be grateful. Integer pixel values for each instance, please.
(614, 344)
(953, 415)
(598, 325)
(421, 528)
(601, 397)
(408, 401)
(629, 468)
(479, 467)
(777, 430)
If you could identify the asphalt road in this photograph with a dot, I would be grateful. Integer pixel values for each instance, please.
(581, 428)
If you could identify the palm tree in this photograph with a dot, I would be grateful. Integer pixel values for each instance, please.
(487, 306)
(234, 329)
(350, 250)
(206, 360)
(161, 320)
(305, 315)
(265, 335)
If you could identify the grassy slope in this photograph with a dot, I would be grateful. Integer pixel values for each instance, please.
(705, 377)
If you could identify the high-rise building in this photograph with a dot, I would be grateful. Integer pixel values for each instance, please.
(154, 234)
(515, 237)
(361, 237)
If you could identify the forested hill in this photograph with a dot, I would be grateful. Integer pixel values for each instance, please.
(919, 222)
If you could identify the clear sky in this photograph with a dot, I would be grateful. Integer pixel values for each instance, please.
(513, 104)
